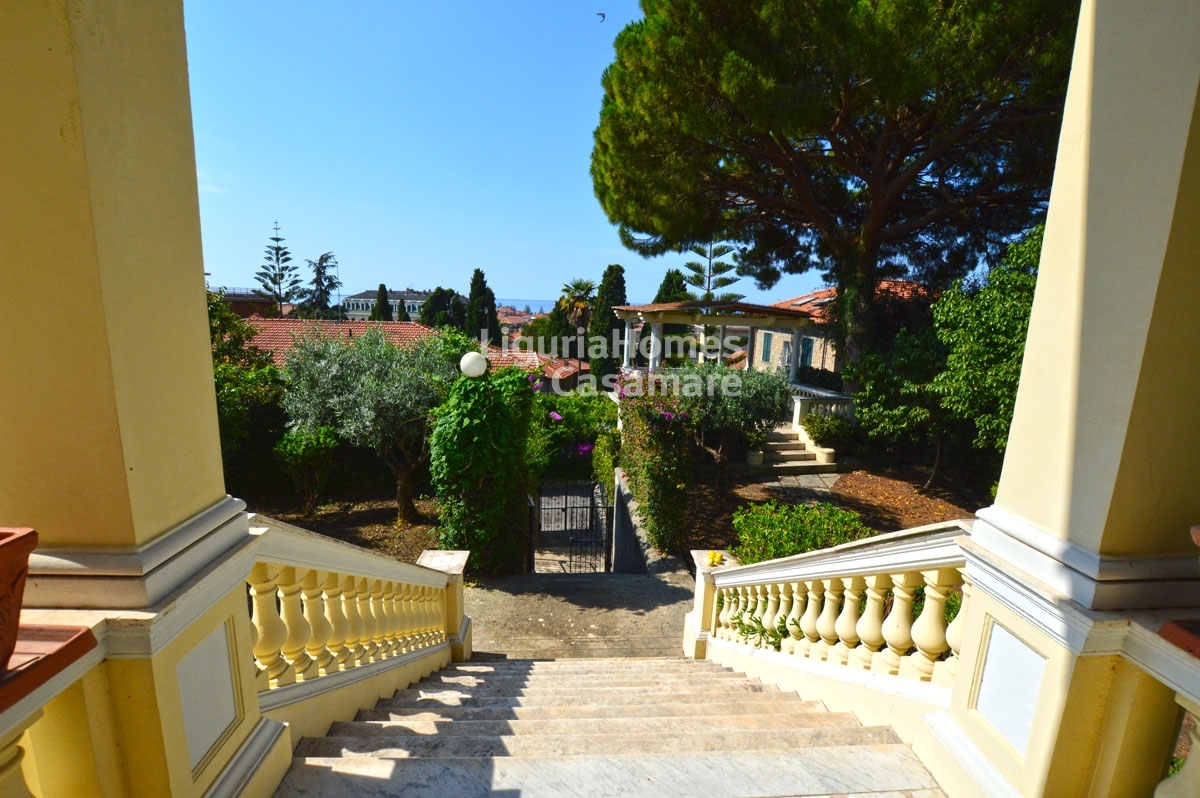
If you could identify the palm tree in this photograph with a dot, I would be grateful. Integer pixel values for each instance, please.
(576, 301)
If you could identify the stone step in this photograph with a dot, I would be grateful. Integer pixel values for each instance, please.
(402, 747)
(555, 698)
(748, 773)
(564, 680)
(594, 665)
(797, 456)
(814, 717)
(571, 688)
(783, 446)
(781, 704)
(783, 434)
(784, 469)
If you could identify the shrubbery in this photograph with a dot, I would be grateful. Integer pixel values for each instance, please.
(564, 433)
(657, 458)
(820, 378)
(479, 469)
(770, 531)
(604, 459)
(830, 432)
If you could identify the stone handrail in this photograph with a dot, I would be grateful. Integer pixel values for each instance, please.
(319, 606)
(807, 399)
(812, 605)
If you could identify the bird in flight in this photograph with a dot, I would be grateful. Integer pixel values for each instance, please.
(601, 15)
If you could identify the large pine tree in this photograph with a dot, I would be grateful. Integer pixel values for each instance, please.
(443, 308)
(604, 322)
(322, 286)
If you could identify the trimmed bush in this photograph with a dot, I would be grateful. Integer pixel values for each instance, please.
(772, 530)
(830, 432)
(604, 459)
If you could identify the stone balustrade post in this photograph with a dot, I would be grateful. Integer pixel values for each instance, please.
(452, 623)
(728, 607)
(870, 625)
(847, 621)
(897, 629)
(354, 637)
(339, 627)
(769, 614)
(793, 618)
(929, 630)
(298, 630)
(379, 641)
(370, 649)
(314, 613)
(808, 621)
(270, 630)
(945, 671)
(827, 621)
(786, 599)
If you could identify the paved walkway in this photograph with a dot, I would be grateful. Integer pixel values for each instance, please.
(541, 616)
(801, 488)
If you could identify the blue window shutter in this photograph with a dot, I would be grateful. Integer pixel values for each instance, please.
(806, 350)
(766, 348)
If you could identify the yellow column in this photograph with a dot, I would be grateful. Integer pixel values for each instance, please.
(1104, 451)
(108, 432)
(1099, 486)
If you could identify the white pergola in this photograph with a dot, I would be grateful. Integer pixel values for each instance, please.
(716, 314)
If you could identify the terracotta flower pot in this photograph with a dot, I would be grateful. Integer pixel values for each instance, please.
(15, 547)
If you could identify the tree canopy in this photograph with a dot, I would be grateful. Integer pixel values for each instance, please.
(375, 394)
(984, 327)
(443, 308)
(865, 140)
(244, 376)
(324, 282)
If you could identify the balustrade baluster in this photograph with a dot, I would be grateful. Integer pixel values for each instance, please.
(314, 612)
(929, 630)
(726, 609)
(870, 626)
(408, 615)
(799, 592)
(298, 630)
(769, 615)
(827, 621)
(421, 616)
(847, 622)
(808, 621)
(745, 619)
(391, 623)
(439, 614)
(271, 631)
(1186, 781)
(354, 637)
(897, 629)
(945, 671)
(339, 626)
(785, 607)
(379, 633)
(758, 599)
(370, 649)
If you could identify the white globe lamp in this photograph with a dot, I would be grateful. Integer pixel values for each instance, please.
(473, 364)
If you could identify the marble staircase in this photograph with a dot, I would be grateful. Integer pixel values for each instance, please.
(601, 727)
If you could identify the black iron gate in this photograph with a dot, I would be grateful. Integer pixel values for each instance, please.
(573, 528)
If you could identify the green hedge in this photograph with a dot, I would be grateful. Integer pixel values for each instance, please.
(772, 530)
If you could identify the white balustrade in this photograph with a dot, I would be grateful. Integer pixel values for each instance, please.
(319, 607)
(852, 605)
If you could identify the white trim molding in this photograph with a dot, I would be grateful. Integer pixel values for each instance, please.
(135, 578)
(246, 762)
(1087, 578)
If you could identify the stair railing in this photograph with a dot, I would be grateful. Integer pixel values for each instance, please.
(320, 607)
(888, 604)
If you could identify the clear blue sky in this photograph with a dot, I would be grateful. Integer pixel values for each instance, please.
(417, 141)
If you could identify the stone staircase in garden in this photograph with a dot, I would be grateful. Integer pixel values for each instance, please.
(785, 454)
(657, 727)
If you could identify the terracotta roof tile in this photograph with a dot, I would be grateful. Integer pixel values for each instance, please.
(817, 303)
(278, 336)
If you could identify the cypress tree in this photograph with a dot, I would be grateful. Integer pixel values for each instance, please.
(481, 310)
(383, 309)
(604, 322)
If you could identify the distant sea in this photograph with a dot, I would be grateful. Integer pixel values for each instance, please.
(536, 305)
(545, 305)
